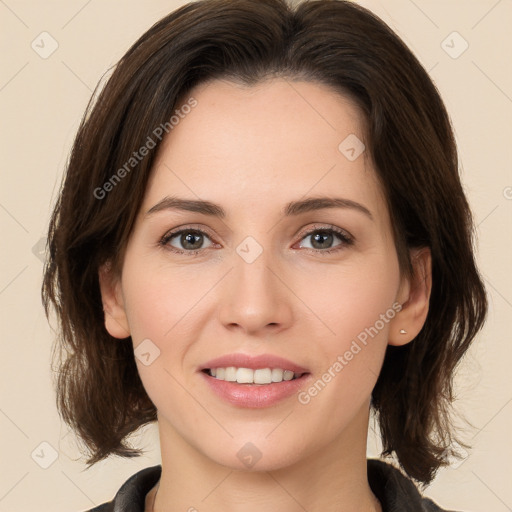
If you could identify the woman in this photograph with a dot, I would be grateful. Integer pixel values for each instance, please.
(262, 237)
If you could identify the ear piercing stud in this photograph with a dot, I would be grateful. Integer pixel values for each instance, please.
(403, 331)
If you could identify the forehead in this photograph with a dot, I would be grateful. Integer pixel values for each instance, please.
(278, 140)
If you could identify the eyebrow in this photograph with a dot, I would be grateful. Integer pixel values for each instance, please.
(291, 209)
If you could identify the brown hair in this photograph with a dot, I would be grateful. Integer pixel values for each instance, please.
(409, 138)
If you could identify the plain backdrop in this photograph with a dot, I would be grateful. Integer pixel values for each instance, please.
(54, 53)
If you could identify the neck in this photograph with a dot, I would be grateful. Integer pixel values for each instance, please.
(332, 479)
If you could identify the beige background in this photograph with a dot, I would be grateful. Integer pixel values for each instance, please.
(41, 102)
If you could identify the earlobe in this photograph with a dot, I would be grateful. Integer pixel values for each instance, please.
(414, 298)
(116, 321)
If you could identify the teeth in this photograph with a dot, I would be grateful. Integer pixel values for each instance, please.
(288, 375)
(245, 376)
(250, 376)
(230, 374)
(277, 375)
(263, 376)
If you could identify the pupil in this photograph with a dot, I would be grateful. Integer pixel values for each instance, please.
(322, 234)
(190, 238)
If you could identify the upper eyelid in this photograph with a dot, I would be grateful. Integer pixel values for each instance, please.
(326, 227)
(188, 227)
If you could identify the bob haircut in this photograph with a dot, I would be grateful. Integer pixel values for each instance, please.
(411, 144)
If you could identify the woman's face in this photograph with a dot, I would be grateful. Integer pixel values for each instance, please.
(276, 275)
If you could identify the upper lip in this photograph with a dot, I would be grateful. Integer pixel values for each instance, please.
(253, 362)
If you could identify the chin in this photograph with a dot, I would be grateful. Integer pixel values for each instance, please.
(255, 453)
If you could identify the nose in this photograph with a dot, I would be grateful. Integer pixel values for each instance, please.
(256, 299)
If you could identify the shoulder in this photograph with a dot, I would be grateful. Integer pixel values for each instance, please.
(397, 492)
(131, 495)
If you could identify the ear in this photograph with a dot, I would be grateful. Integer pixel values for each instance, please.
(116, 321)
(414, 296)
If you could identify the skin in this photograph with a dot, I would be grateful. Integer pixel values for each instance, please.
(252, 150)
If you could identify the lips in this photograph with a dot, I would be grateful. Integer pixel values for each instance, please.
(258, 392)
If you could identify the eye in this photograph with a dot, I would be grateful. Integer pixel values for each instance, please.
(186, 240)
(323, 238)
(191, 241)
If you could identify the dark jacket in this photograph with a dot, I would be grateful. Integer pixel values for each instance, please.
(395, 492)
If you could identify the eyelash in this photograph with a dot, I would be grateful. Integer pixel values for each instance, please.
(345, 238)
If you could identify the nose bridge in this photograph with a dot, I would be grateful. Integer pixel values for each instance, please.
(255, 277)
(255, 297)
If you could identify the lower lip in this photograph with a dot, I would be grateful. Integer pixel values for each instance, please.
(255, 396)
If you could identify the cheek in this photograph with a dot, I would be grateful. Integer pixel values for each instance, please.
(160, 300)
(351, 298)
(355, 306)
(165, 309)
